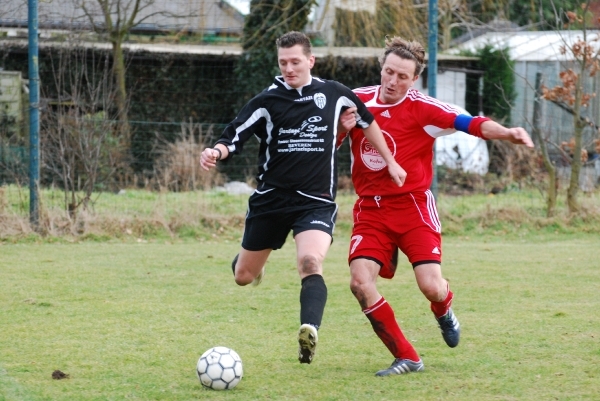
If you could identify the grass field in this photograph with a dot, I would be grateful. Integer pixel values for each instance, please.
(128, 321)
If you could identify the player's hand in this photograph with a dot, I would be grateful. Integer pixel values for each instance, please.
(397, 173)
(347, 120)
(519, 136)
(208, 158)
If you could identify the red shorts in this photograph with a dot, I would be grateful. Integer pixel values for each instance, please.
(382, 224)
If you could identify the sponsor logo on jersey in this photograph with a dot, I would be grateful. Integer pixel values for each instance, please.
(307, 129)
(386, 114)
(304, 99)
(320, 100)
(371, 157)
(436, 250)
(320, 222)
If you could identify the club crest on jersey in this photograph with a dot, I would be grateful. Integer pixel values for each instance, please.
(320, 100)
(371, 157)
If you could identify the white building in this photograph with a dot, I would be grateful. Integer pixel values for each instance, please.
(206, 16)
(534, 52)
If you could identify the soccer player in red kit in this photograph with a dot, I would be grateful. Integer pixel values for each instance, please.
(388, 217)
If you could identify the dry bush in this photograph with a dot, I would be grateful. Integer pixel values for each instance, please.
(178, 166)
(10, 223)
(13, 226)
(458, 182)
(3, 201)
(514, 164)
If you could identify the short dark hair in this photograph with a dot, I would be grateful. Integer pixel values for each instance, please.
(292, 39)
(406, 50)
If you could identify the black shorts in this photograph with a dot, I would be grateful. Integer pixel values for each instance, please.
(274, 213)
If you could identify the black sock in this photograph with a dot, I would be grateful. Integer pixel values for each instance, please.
(234, 263)
(313, 297)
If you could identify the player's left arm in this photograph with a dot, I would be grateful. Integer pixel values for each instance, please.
(517, 135)
(485, 128)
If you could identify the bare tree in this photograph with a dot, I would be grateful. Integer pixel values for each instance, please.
(465, 16)
(80, 145)
(571, 94)
(9, 11)
(116, 18)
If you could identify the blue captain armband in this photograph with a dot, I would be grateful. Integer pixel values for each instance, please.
(462, 122)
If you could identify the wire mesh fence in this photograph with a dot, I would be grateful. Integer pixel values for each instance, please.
(181, 96)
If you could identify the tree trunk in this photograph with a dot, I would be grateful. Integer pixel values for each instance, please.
(445, 22)
(572, 201)
(537, 136)
(121, 91)
(579, 125)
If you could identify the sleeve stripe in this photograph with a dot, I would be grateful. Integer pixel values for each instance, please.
(415, 95)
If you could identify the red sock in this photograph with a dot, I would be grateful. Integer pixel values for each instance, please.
(439, 309)
(387, 329)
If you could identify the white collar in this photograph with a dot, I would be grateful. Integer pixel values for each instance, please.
(310, 79)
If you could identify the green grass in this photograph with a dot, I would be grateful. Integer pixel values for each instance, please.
(128, 321)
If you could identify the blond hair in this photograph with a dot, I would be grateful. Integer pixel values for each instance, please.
(407, 50)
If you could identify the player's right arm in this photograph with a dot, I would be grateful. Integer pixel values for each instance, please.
(210, 156)
(249, 121)
(347, 122)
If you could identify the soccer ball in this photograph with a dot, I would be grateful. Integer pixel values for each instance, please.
(219, 368)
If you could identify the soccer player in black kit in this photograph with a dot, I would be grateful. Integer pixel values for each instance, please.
(296, 121)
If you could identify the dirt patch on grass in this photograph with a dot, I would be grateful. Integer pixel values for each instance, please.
(59, 375)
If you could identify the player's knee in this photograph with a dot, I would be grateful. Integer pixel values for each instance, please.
(433, 292)
(429, 293)
(362, 291)
(309, 265)
(355, 286)
(359, 287)
(242, 278)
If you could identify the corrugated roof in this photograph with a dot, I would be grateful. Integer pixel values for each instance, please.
(531, 46)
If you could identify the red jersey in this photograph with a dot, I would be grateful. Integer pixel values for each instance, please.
(410, 128)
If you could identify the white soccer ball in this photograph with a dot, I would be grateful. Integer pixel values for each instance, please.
(220, 368)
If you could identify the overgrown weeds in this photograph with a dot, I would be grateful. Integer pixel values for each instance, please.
(178, 165)
(140, 214)
(514, 213)
(131, 214)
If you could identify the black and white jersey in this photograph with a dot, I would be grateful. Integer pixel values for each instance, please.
(296, 129)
